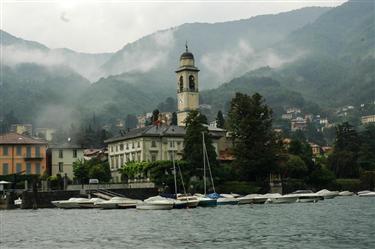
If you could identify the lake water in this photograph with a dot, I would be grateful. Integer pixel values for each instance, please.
(343, 222)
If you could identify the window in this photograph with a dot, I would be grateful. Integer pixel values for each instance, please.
(181, 83)
(116, 148)
(138, 156)
(171, 144)
(116, 162)
(5, 150)
(121, 146)
(153, 143)
(28, 168)
(127, 146)
(132, 145)
(37, 151)
(191, 82)
(112, 162)
(139, 144)
(28, 151)
(18, 167)
(74, 153)
(111, 148)
(61, 153)
(37, 168)
(121, 160)
(61, 166)
(5, 169)
(153, 157)
(19, 150)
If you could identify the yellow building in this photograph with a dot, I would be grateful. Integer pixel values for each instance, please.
(22, 154)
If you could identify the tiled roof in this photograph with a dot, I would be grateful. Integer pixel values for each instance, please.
(14, 138)
(66, 145)
(151, 131)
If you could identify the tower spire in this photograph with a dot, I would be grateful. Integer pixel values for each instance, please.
(186, 46)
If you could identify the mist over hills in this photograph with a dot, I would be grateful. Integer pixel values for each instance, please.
(316, 58)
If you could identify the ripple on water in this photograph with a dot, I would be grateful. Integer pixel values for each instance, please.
(337, 223)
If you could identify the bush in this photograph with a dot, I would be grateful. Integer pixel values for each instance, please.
(353, 185)
(291, 185)
(322, 178)
(368, 180)
(238, 187)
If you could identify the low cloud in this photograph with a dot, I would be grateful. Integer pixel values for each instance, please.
(233, 62)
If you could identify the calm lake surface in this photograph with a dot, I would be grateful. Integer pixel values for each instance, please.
(343, 222)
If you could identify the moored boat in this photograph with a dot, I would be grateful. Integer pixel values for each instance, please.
(156, 203)
(117, 202)
(70, 203)
(205, 201)
(192, 201)
(346, 193)
(304, 196)
(327, 194)
(366, 193)
(280, 199)
(89, 203)
(227, 199)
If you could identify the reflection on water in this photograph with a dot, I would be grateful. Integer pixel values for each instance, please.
(343, 222)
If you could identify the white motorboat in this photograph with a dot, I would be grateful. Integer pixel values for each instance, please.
(346, 193)
(280, 199)
(227, 199)
(118, 202)
(327, 194)
(304, 196)
(70, 203)
(252, 199)
(192, 201)
(156, 203)
(366, 194)
(89, 203)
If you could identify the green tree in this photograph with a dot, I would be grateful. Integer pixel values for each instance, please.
(155, 116)
(366, 155)
(193, 148)
(174, 118)
(295, 167)
(220, 120)
(84, 170)
(255, 147)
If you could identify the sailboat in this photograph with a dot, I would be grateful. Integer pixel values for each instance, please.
(177, 203)
(205, 200)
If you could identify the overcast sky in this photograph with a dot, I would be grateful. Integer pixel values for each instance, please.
(106, 26)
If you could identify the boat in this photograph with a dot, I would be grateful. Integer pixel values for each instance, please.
(304, 196)
(327, 194)
(366, 193)
(89, 203)
(280, 199)
(117, 202)
(205, 200)
(346, 193)
(156, 203)
(192, 201)
(18, 202)
(70, 203)
(252, 199)
(227, 199)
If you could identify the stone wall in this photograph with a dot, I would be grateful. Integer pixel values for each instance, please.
(43, 199)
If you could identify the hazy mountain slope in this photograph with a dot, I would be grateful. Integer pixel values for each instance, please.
(16, 50)
(39, 94)
(222, 50)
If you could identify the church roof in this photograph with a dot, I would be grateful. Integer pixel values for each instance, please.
(150, 131)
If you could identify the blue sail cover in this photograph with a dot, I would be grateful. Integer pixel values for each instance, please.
(214, 196)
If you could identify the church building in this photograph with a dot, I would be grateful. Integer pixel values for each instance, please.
(160, 142)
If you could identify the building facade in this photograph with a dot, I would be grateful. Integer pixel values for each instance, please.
(368, 119)
(152, 143)
(187, 87)
(62, 157)
(22, 154)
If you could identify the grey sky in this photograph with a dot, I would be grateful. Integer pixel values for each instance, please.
(106, 26)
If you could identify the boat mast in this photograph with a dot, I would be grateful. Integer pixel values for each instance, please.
(174, 174)
(209, 168)
(204, 164)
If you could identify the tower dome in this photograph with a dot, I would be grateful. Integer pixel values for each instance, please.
(187, 58)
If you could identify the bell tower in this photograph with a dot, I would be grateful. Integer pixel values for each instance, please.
(187, 87)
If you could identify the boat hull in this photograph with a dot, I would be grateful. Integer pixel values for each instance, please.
(153, 206)
(207, 203)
